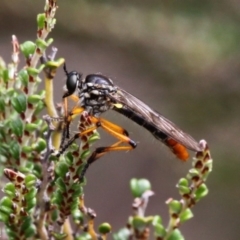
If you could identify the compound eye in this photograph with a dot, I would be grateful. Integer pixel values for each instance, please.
(73, 79)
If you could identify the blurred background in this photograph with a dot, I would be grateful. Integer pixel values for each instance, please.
(182, 58)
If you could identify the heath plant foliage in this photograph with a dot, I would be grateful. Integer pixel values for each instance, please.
(44, 167)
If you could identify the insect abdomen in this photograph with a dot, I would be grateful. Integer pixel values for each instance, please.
(178, 149)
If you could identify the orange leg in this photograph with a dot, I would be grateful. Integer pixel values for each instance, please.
(116, 131)
(99, 152)
(110, 125)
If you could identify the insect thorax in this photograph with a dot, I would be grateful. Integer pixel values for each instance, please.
(94, 92)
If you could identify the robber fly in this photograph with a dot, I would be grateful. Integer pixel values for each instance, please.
(97, 94)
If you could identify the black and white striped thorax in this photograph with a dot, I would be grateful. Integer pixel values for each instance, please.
(93, 92)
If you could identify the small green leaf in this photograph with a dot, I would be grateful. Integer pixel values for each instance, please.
(194, 172)
(28, 48)
(139, 186)
(186, 215)
(105, 228)
(4, 150)
(2, 105)
(61, 185)
(175, 206)
(138, 222)
(42, 94)
(42, 44)
(30, 180)
(24, 170)
(201, 192)
(30, 231)
(37, 171)
(62, 169)
(40, 145)
(10, 92)
(77, 216)
(134, 187)
(50, 41)
(28, 228)
(57, 199)
(123, 234)
(23, 77)
(32, 193)
(27, 221)
(209, 164)
(69, 158)
(77, 192)
(32, 71)
(55, 64)
(40, 106)
(54, 215)
(41, 67)
(30, 166)
(31, 203)
(11, 233)
(4, 217)
(19, 102)
(74, 204)
(159, 230)
(27, 149)
(184, 190)
(93, 138)
(75, 186)
(5, 201)
(183, 182)
(16, 125)
(9, 189)
(41, 20)
(14, 149)
(85, 154)
(59, 236)
(156, 220)
(6, 205)
(35, 98)
(176, 235)
(5, 75)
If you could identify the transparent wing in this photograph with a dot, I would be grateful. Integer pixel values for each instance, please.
(156, 120)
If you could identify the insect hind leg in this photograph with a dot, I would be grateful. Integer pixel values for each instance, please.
(99, 152)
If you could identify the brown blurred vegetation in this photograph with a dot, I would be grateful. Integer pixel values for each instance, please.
(180, 57)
